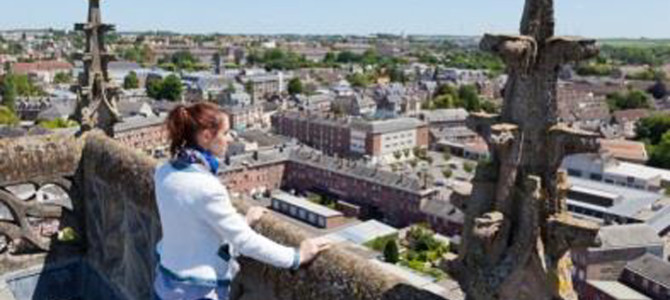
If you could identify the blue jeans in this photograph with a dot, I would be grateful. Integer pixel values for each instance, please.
(167, 288)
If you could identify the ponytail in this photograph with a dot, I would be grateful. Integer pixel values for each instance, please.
(185, 122)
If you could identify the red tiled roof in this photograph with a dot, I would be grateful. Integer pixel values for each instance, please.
(628, 115)
(625, 150)
(49, 65)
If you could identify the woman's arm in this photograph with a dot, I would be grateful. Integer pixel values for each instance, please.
(218, 212)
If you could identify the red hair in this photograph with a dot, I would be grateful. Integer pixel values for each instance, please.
(185, 122)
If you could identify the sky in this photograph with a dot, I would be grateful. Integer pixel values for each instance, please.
(592, 18)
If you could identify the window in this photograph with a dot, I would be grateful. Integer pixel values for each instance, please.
(322, 221)
(294, 211)
(312, 218)
(596, 176)
(573, 172)
(302, 214)
(275, 204)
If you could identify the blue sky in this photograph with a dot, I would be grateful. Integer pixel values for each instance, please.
(593, 18)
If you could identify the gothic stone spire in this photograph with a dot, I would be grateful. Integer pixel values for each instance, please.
(96, 107)
(517, 230)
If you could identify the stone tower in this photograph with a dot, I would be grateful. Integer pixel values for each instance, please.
(517, 232)
(96, 103)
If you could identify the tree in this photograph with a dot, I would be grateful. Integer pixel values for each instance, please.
(651, 129)
(468, 167)
(295, 86)
(9, 93)
(7, 116)
(469, 97)
(660, 154)
(62, 78)
(631, 100)
(391, 253)
(330, 58)
(171, 88)
(659, 90)
(131, 81)
(359, 80)
(22, 85)
(58, 123)
(154, 86)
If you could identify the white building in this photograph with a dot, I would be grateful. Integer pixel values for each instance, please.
(602, 167)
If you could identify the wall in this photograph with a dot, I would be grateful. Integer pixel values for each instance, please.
(28, 158)
(122, 228)
(122, 224)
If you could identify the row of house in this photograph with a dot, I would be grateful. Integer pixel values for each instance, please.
(399, 200)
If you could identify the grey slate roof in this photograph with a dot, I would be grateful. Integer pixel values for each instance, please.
(446, 115)
(305, 204)
(387, 126)
(357, 170)
(617, 290)
(652, 268)
(631, 201)
(628, 236)
(132, 123)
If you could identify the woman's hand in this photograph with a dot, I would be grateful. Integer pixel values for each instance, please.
(254, 214)
(310, 248)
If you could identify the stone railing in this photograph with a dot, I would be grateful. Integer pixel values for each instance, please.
(35, 197)
(115, 187)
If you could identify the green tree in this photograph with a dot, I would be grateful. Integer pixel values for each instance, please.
(171, 88)
(131, 81)
(651, 129)
(9, 93)
(330, 58)
(470, 98)
(660, 154)
(391, 253)
(7, 116)
(359, 80)
(154, 86)
(468, 167)
(22, 85)
(596, 69)
(295, 86)
(62, 78)
(58, 123)
(630, 100)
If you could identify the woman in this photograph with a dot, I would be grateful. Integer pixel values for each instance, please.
(202, 232)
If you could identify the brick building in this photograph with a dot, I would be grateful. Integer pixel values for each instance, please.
(378, 140)
(396, 199)
(610, 290)
(382, 140)
(620, 244)
(328, 134)
(253, 173)
(243, 117)
(143, 133)
(43, 71)
(650, 275)
(393, 198)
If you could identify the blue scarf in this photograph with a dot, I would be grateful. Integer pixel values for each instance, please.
(193, 155)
